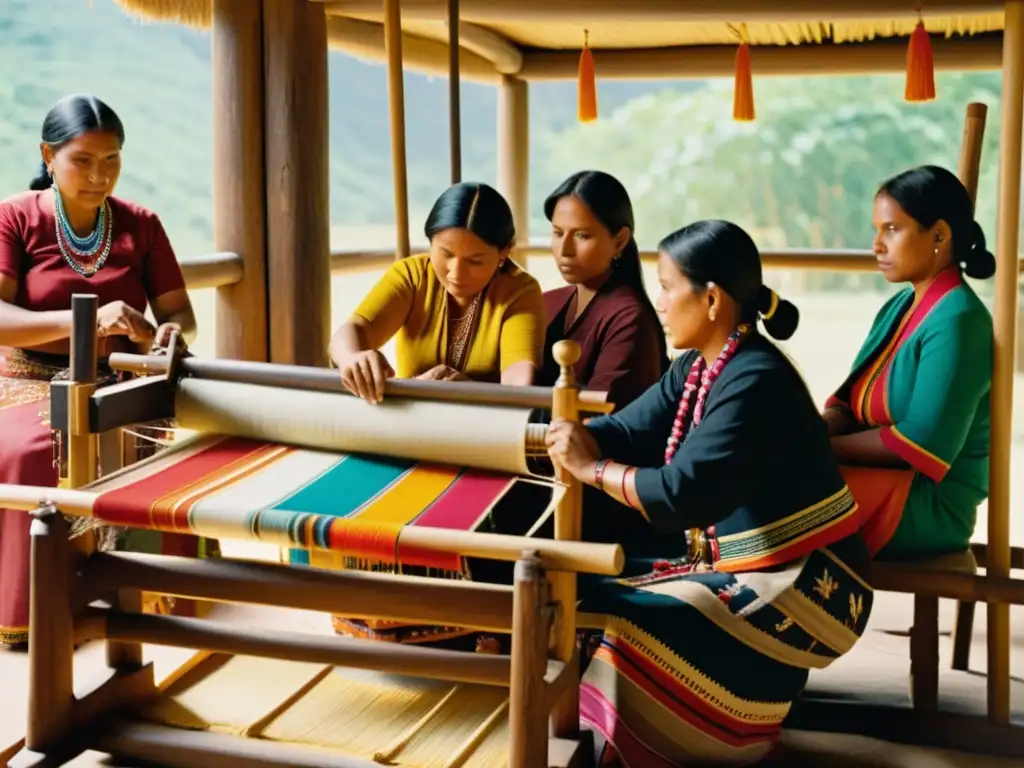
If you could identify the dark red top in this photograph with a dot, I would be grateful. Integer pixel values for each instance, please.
(618, 335)
(141, 265)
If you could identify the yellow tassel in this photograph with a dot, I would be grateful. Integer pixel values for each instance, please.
(920, 67)
(743, 93)
(587, 85)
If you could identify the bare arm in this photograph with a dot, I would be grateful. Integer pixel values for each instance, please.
(840, 421)
(865, 447)
(176, 307)
(25, 328)
(350, 338)
(519, 374)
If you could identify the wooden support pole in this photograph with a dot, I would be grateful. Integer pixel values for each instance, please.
(82, 443)
(239, 181)
(565, 715)
(514, 155)
(528, 738)
(969, 169)
(454, 93)
(396, 108)
(50, 634)
(1005, 328)
(298, 188)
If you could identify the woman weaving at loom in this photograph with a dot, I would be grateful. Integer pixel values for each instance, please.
(701, 656)
(464, 311)
(66, 236)
(911, 423)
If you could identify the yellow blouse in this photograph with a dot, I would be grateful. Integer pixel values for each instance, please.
(409, 300)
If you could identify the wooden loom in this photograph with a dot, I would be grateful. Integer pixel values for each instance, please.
(457, 711)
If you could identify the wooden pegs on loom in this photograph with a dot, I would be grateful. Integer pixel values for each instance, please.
(920, 66)
(587, 83)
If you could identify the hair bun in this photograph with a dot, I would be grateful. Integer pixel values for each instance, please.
(979, 263)
(779, 317)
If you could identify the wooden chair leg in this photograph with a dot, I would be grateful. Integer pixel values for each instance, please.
(963, 632)
(924, 654)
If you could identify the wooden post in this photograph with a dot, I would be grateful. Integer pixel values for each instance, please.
(970, 148)
(454, 94)
(239, 183)
(298, 211)
(82, 444)
(396, 110)
(1005, 328)
(565, 715)
(50, 634)
(514, 155)
(528, 738)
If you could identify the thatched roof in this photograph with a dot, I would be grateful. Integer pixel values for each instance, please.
(498, 36)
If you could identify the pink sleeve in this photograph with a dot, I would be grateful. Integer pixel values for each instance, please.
(161, 271)
(12, 250)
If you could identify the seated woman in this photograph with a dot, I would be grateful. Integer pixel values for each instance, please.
(702, 656)
(464, 311)
(606, 310)
(604, 307)
(911, 422)
(67, 236)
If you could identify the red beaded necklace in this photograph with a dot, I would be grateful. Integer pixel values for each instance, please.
(707, 376)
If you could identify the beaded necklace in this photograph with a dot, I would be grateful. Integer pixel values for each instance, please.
(702, 544)
(460, 332)
(86, 255)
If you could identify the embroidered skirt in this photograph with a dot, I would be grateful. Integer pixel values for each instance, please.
(697, 668)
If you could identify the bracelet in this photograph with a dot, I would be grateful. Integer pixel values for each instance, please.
(599, 469)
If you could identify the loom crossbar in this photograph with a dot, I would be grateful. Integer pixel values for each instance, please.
(393, 658)
(324, 380)
(485, 607)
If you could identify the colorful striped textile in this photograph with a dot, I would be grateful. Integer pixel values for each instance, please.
(701, 667)
(353, 505)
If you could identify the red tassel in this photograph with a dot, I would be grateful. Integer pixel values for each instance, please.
(920, 66)
(743, 93)
(587, 84)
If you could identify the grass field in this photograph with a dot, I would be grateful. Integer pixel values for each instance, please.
(831, 330)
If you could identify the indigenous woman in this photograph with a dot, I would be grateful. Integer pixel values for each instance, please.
(911, 422)
(702, 655)
(464, 311)
(65, 236)
(605, 307)
(606, 310)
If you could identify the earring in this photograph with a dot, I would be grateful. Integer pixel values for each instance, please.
(712, 315)
(936, 251)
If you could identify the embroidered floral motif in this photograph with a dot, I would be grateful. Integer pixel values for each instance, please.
(856, 609)
(825, 585)
(783, 625)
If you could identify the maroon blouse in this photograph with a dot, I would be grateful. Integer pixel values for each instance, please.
(141, 265)
(618, 335)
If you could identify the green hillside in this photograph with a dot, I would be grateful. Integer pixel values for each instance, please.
(157, 76)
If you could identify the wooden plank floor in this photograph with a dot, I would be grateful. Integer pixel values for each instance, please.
(877, 668)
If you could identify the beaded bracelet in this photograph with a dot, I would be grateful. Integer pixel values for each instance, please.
(599, 469)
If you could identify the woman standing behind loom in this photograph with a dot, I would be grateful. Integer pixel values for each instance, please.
(701, 657)
(606, 310)
(66, 236)
(464, 311)
(911, 422)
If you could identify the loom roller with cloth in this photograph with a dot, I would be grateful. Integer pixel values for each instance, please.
(266, 461)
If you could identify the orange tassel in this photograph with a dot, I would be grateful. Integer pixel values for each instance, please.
(587, 84)
(920, 67)
(743, 93)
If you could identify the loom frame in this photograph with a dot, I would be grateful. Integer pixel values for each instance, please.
(76, 599)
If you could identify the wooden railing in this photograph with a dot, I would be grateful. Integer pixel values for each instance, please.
(218, 269)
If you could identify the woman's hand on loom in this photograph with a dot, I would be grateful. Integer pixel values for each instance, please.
(364, 374)
(443, 373)
(162, 339)
(120, 319)
(574, 448)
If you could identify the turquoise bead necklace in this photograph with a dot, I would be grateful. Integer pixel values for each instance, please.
(86, 254)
